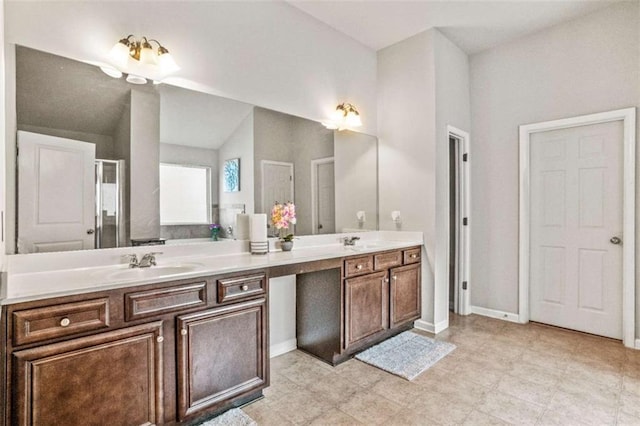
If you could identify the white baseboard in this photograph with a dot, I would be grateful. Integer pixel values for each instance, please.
(492, 313)
(429, 327)
(283, 348)
(637, 343)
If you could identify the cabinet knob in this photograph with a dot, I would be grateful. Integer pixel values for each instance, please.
(358, 267)
(413, 256)
(395, 278)
(183, 331)
(386, 280)
(244, 287)
(64, 322)
(160, 339)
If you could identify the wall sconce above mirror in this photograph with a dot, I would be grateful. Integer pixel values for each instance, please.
(138, 60)
(346, 116)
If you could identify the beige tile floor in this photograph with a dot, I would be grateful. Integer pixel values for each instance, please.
(500, 373)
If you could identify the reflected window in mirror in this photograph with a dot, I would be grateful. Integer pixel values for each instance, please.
(185, 194)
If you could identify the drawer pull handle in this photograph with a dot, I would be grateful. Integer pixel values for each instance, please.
(358, 267)
(183, 331)
(244, 287)
(64, 322)
(413, 256)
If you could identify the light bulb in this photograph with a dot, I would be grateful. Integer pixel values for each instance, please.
(120, 53)
(166, 62)
(353, 119)
(147, 55)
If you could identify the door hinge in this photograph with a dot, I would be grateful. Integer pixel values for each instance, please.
(464, 285)
(465, 221)
(465, 157)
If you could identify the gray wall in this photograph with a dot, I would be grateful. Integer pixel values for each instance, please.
(584, 66)
(283, 137)
(239, 145)
(273, 139)
(356, 174)
(145, 164)
(407, 149)
(452, 108)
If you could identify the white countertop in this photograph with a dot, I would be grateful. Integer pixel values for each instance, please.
(35, 276)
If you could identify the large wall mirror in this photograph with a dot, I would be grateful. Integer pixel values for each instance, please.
(103, 163)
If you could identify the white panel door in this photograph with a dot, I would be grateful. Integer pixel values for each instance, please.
(277, 185)
(325, 198)
(576, 210)
(56, 194)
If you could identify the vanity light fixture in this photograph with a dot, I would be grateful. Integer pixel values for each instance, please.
(134, 57)
(345, 116)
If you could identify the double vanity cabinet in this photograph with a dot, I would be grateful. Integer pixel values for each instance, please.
(177, 352)
(155, 354)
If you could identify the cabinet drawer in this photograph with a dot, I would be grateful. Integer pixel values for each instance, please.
(358, 266)
(411, 256)
(240, 288)
(160, 301)
(387, 260)
(50, 322)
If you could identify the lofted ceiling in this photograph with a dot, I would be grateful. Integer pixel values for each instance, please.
(473, 25)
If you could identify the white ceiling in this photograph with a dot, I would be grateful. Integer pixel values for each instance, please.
(473, 25)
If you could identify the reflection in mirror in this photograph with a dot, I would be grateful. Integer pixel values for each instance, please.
(104, 147)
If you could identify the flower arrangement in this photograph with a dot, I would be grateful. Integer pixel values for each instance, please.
(283, 215)
(215, 229)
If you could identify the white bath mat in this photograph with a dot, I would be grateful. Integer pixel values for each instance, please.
(406, 355)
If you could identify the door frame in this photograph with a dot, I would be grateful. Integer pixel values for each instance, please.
(628, 117)
(463, 233)
(314, 186)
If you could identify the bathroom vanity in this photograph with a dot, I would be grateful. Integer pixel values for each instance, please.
(175, 347)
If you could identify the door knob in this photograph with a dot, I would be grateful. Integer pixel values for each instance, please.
(90, 231)
(615, 240)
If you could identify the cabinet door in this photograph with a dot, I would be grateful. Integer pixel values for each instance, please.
(222, 354)
(366, 306)
(111, 378)
(405, 294)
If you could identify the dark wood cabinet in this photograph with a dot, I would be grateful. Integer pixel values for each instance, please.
(221, 355)
(343, 309)
(366, 306)
(114, 377)
(119, 357)
(405, 294)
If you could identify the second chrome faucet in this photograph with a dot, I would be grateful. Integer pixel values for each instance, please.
(148, 259)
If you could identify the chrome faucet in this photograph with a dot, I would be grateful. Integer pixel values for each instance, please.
(149, 259)
(350, 241)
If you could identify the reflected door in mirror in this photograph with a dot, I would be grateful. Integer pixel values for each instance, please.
(57, 194)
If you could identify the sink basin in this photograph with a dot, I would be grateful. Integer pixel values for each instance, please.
(155, 271)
